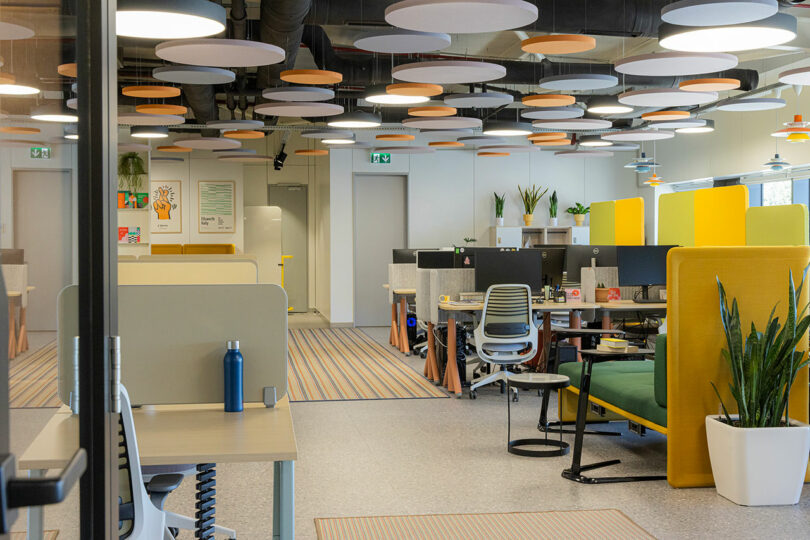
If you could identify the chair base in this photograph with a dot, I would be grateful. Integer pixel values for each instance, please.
(514, 447)
(570, 474)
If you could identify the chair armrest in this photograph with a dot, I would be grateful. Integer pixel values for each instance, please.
(164, 483)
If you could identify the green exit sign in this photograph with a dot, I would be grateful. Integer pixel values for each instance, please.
(380, 157)
(38, 152)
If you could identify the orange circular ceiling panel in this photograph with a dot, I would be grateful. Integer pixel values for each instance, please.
(709, 85)
(553, 142)
(174, 148)
(395, 137)
(446, 144)
(660, 116)
(549, 136)
(548, 100)
(493, 154)
(311, 76)
(432, 111)
(311, 152)
(414, 89)
(151, 91)
(558, 44)
(160, 108)
(243, 134)
(67, 70)
(19, 130)
(7, 78)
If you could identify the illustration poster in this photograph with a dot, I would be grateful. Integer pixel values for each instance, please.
(216, 210)
(167, 215)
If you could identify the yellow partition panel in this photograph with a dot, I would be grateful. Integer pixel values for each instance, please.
(209, 249)
(603, 223)
(720, 216)
(784, 225)
(758, 278)
(676, 219)
(167, 249)
(629, 222)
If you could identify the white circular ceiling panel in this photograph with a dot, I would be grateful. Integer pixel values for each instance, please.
(752, 104)
(479, 140)
(573, 124)
(401, 41)
(441, 122)
(452, 133)
(9, 31)
(220, 52)
(448, 72)
(478, 100)
(638, 135)
(461, 16)
(193, 75)
(583, 153)
(208, 143)
(405, 149)
(800, 76)
(675, 63)
(676, 124)
(141, 119)
(300, 109)
(234, 124)
(579, 81)
(665, 97)
(717, 12)
(553, 113)
(298, 93)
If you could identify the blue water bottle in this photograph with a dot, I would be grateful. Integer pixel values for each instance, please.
(233, 377)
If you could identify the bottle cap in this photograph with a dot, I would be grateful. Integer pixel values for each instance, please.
(233, 344)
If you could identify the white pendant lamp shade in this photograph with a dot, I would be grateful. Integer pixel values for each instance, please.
(54, 113)
(234, 124)
(553, 113)
(800, 76)
(339, 139)
(675, 63)
(442, 122)
(326, 134)
(221, 53)
(10, 31)
(480, 140)
(149, 132)
(511, 148)
(593, 141)
(448, 72)
(142, 119)
(160, 19)
(636, 135)
(10, 86)
(405, 149)
(665, 97)
(193, 75)
(300, 109)
(752, 104)
(401, 41)
(717, 12)
(478, 100)
(607, 105)
(298, 93)
(507, 129)
(708, 127)
(356, 119)
(208, 143)
(573, 124)
(776, 164)
(583, 153)
(775, 30)
(460, 16)
(579, 82)
(379, 95)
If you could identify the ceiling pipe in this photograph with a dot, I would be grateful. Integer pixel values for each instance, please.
(281, 22)
(201, 99)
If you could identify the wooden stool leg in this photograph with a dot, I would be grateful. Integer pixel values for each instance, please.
(575, 321)
(404, 346)
(453, 379)
(394, 337)
(12, 331)
(22, 339)
(607, 323)
(430, 362)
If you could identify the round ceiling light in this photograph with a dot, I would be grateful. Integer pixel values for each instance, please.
(71, 133)
(751, 104)
(140, 119)
(193, 75)
(579, 82)
(553, 113)
(247, 158)
(633, 135)
(401, 41)
(10, 31)
(311, 76)
(507, 129)
(234, 124)
(607, 105)
(546, 136)
(717, 12)
(158, 19)
(395, 137)
(151, 91)
(660, 116)
(665, 97)
(511, 148)
(160, 108)
(54, 113)
(432, 111)
(149, 132)
(446, 122)
(133, 147)
(405, 149)
(553, 142)
(173, 148)
(219, 52)
(478, 140)
(381, 96)
(573, 124)
(208, 143)
(705, 128)
(492, 154)
(548, 100)
(775, 30)
(19, 130)
(244, 134)
(683, 123)
(709, 85)
(414, 89)
(300, 109)
(446, 144)
(356, 119)
(460, 16)
(798, 125)
(298, 93)
(558, 44)
(326, 134)
(339, 140)
(478, 100)
(68, 70)
(583, 153)
(675, 63)
(9, 86)
(593, 141)
(313, 152)
(448, 72)
(799, 76)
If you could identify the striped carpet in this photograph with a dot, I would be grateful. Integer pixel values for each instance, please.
(48, 535)
(346, 364)
(32, 379)
(602, 524)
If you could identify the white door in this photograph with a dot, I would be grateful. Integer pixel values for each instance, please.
(47, 241)
(379, 226)
(292, 199)
(263, 241)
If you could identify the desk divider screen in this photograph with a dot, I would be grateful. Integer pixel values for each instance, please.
(720, 216)
(676, 219)
(195, 271)
(603, 228)
(784, 225)
(629, 222)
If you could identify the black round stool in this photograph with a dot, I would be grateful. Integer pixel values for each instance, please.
(535, 381)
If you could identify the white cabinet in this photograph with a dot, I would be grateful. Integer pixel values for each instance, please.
(506, 237)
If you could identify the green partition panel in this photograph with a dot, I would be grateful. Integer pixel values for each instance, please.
(603, 223)
(784, 225)
(676, 219)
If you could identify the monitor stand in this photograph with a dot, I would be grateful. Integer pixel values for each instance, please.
(645, 296)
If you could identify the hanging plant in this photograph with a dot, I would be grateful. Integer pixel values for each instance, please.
(131, 170)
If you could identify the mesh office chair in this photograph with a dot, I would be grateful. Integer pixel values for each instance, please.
(506, 336)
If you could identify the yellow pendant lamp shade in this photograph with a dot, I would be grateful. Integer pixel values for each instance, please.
(798, 137)
(549, 136)
(432, 111)
(314, 152)
(414, 89)
(311, 76)
(395, 137)
(548, 100)
(654, 180)
(558, 44)
(160, 108)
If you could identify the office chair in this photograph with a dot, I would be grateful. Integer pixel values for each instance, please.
(506, 335)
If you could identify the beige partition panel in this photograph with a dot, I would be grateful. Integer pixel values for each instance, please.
(192, 272)
(400, 276)
(173, 340)
(448, 282)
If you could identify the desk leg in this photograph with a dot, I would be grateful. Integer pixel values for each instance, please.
(452, 378)
(12, 331)
(404, 346)
(431, 365)
(543, 366)
(394, 337)
(575, 321)
(36, 514)
(607, 323)
(283, 500)
(22, 339)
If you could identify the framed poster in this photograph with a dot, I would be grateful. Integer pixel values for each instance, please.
(217, 208)
(167, 211)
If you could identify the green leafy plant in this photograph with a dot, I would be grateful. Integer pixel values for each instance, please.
(601, 286)
(578, 208)
(468, 240)
(530, 197)
(764, 365)
(131, 170)
(552, 205)
(500, 200)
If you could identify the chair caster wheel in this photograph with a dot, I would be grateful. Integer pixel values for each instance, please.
(473, 394)
(174, 531)
(514, 395)
(423, 355)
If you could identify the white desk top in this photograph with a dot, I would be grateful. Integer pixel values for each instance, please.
(548, 306)
(629, 305)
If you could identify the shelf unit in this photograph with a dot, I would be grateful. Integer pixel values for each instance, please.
(523, 236)
(135, 217)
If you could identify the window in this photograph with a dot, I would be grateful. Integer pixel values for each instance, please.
(776, 193)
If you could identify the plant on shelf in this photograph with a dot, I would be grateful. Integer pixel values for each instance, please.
(468, 241)
(530, 197)
(601, 293)
(759, 455)
(579, 211)
(500, 201)
(552, 209)
(131, 170)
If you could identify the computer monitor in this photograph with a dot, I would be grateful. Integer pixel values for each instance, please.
(465, 257)
(642, 266)
(404, 256)
(553, 263)
(435, 259)
(496, 266)
(579, 256)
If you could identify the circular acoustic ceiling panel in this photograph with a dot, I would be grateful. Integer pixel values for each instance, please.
(511, 148)
(164, 158)
(480, 100)
(174, 148)
(548, 100)
(193, 75)
(219, 52)
(326, 134)
(448, 72)
(9, 31)
(479, 140)
(208, 143)
(300, 109)
(432, 111)
(800, 76)
(68, 70)
(446, 122)
(558, 44)
(150, 91)
(493, 154)
(395, 137)
(246, 158)
(771, 32)
(665, 97)
(243, 134)
(446, 144)
(553, 113)
(234, 124)
(160, 108)
(579, 81)
(311, 76)
(446, 133)
(414, 89)
(401, 41)
(311, 152)
(709, 85)
(461, 16)
(658, 116)
(405, 149)
(546, 136)
(573, 124)
(634, 135)
(19, 130)
(141, 119)
(677, 124)
(717, 12)
(133, 147)
(752, 104)
(298, 93)
(556, 143)
(583, 153)
(675, 63)
(233, 151)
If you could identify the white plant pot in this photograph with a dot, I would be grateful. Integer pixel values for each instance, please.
(552, 222)
(758, 466)
(499, 222)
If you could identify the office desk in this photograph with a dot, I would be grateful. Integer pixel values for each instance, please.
(174, 434)
(627, 306)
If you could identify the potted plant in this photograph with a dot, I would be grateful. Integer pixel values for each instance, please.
(500, 200)
(759, 455)
(602, 293)
(530, 197)
(579, 211)
(131, 170)
(552, 209)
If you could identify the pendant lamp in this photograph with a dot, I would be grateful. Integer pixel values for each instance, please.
(54, 113)
(775, 30)
(159, 19)
(717, 12)
(355, 119)
(379, 95)
(776, 164)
